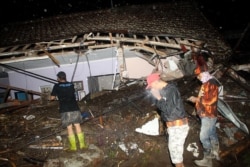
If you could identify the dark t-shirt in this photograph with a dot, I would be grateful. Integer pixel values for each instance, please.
(65, 93)
(171, 105)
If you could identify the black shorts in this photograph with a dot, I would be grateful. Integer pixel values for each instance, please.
(72, 117)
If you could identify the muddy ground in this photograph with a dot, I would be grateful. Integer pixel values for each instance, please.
(110, 119)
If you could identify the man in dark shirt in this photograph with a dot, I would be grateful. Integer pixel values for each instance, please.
(69, 110)
(169, 101)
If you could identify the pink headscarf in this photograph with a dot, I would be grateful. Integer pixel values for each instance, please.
(205, 76)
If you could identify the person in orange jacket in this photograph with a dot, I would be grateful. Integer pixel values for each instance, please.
(206, 108)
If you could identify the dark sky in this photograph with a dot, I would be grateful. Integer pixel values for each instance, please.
(224, 14)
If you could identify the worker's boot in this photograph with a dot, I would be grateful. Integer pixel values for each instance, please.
(206, 161)
(215, 150)
(72, 142)
(81, 140)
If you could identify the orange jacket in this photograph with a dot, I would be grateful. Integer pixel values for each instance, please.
(207, 104)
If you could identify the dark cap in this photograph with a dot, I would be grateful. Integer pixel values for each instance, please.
(61, 75)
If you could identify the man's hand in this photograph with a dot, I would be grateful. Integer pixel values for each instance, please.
(156, 93)
(201, 93)
(52, 98)
(193, 99)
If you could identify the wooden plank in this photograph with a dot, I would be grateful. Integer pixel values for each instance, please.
(148, 49)
(20, 89)
(74, 39)
(111, 39)
(9, 104)
(62, 41)
(26, 46)
(139, 41)
(236, 149)
(50, 56)
(103, 46)
(14, 48)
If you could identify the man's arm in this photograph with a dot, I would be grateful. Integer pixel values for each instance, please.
(52, 97)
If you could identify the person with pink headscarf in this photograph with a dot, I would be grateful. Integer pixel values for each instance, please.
(206, 108)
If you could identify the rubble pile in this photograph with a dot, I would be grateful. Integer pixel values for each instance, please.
(115, 124)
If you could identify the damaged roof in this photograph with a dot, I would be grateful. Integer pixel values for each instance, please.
(179, 19)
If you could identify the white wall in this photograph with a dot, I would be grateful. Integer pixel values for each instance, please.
(82, 72)
(136, 68)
